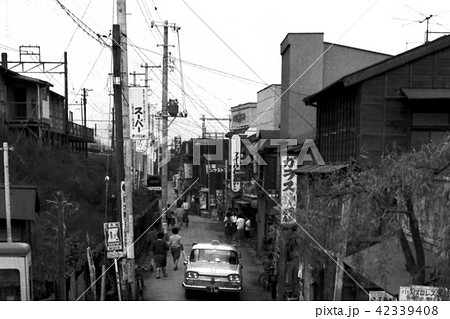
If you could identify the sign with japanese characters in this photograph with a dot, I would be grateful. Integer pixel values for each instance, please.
(288, 189)
(422, 293)
(141, 146)
(235, 160)
(380, 296)
(138, 113)
(113, 240)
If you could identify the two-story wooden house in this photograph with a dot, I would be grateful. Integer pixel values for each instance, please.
(27, 105)
(399, 103)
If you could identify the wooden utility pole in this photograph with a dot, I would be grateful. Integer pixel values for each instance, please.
(118, 106)
(85, 119)
(128, 267)
(66, 102)
(164, 172)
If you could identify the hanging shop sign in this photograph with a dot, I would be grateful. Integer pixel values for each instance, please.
(138, 111)
(235, 160)
(203, 200)
(288, 189)
(188, 170)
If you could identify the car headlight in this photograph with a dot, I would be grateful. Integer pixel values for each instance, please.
(191, 275)
(235, 278)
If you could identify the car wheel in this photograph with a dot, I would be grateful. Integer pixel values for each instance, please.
(237, 296)
(188, 293)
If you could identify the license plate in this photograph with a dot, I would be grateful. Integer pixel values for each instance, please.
(212, 289)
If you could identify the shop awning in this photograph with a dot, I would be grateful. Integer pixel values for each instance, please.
(384, 265)
(426, 94)
(318, 169)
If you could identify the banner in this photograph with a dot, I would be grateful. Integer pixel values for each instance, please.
(288, 189)
(138, 114)
(235, 161)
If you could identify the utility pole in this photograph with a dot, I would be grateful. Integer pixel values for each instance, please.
(128, 267)
(66, 102)
(164, 172)
(84, 117)
(118, 105)
(6, 149)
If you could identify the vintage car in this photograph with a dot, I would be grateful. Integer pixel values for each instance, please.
(213, 267)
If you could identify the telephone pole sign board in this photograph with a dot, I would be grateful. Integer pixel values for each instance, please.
(113, 240)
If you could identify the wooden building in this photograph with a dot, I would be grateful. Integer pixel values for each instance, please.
(401, 103)
(28, 106)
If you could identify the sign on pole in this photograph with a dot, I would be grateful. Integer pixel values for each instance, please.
(138, 110)
(235, 160)
(123, 197)
(113, 240)
(288, 189)
(141, 146)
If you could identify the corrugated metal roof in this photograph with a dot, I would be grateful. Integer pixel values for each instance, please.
(319, 169)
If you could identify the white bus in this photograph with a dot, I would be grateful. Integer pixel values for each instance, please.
(15, 271)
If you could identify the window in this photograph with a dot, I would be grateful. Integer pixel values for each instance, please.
(214, 255)
(9, 284)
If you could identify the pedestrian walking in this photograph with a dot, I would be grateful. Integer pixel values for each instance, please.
(248, 229)
(179, 212)
(240, 228)
(152, 237)
(234, 219)
(170, 216)
(228, 225)
(176, 247)
(160, 249)
(186, 207)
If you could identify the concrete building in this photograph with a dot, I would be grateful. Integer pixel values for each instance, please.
(243, 115)
(308, 65)
(267, 116)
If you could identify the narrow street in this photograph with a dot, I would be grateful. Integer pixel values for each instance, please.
(201, 229)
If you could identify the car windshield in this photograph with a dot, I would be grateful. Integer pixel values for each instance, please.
(214, 255)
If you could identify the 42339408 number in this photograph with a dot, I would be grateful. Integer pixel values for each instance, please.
(407, 310)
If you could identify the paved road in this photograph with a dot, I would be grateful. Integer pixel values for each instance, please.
(201, 229)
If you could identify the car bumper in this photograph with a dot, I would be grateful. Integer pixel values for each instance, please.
(212, 288)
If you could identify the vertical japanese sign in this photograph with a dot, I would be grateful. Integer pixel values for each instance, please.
(288, 189)
(235, 160)
(138, 119)
(123, 197)
(188, 170)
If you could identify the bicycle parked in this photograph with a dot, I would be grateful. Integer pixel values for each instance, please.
(140, 282)
(268, 278)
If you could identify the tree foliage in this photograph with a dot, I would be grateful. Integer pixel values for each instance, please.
(82, 181)
(404, 195)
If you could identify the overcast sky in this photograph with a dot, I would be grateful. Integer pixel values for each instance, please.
(230, 49)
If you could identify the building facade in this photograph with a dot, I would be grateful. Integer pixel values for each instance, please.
(308, 65)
